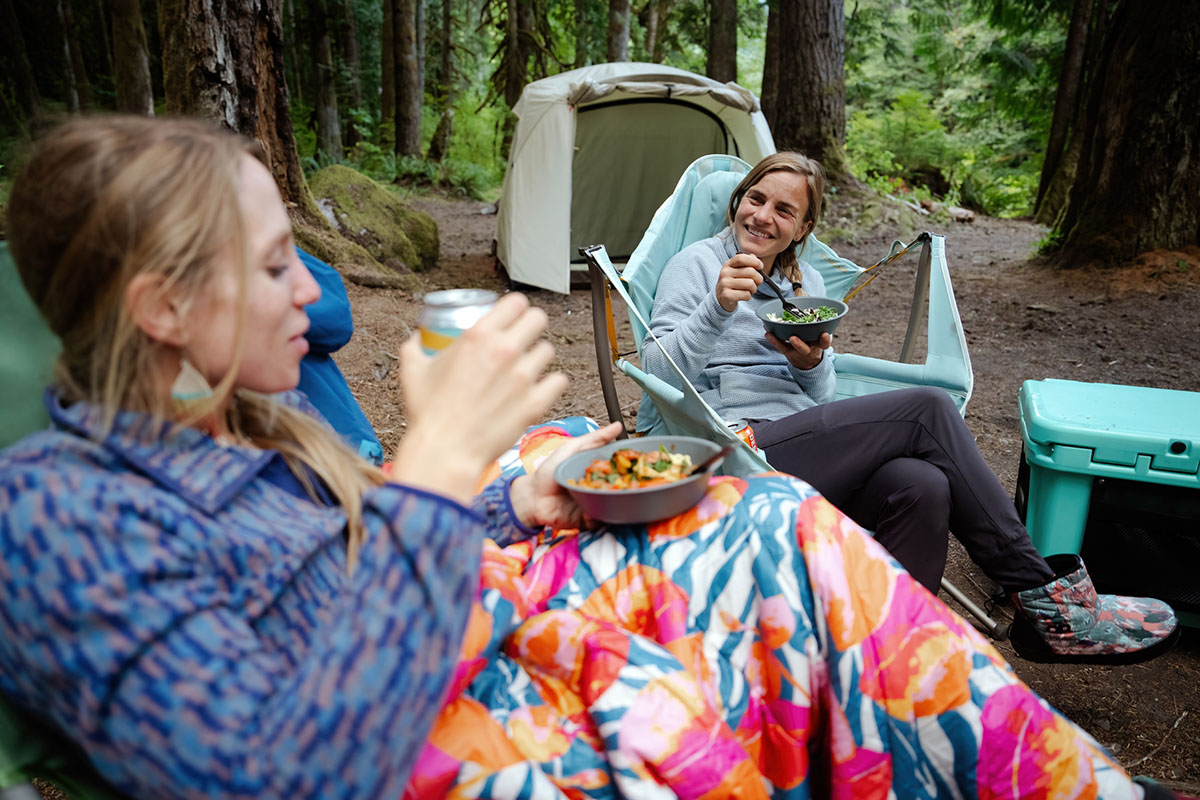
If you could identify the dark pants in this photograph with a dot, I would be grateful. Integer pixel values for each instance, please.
(904, 465)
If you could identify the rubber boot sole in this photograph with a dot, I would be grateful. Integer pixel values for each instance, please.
(1032, 647)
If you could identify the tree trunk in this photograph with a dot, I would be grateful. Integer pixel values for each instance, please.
(1137, 187)
(422, 44)
(722, 40)
(655, 24)
(770, 79)
(445, 90)
(810, 112)
(1066, 102)
(108, 65)
(516, 64)
(408, 80)
(15, 59)
(230, 69)
(582, 29)
(387, 76)
(329, 129)
(618, 30)
(292, 36)
(353, 70)
(78, 70)
(132, 67)
(70, 88)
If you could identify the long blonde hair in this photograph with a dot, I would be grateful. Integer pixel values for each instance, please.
(104, 199)
(814, 182)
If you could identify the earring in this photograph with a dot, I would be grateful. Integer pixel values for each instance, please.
(190, 387)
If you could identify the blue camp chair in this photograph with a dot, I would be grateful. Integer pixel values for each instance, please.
(696, 210)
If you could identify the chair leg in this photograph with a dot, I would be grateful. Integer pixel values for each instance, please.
(600, 337)
(997, 630)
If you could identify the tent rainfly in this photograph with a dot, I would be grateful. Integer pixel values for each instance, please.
(597, 150)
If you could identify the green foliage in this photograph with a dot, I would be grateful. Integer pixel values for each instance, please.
(1050, 243)
(940, 95)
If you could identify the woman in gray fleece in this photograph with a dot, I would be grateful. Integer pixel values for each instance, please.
(900, 463)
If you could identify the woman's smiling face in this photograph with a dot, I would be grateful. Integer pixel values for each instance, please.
(772, 215)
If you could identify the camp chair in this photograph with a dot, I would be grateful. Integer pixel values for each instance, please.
(28, 749)
(695, 211)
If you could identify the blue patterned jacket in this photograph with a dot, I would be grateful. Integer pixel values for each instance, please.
(192, 625)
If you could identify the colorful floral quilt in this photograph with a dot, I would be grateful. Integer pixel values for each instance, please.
(759, 645)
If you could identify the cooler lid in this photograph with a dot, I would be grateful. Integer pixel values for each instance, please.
(1118, 423)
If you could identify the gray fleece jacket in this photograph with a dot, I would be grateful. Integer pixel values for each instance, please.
(726, 355)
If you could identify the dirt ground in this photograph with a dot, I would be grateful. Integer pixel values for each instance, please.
(1136, 324)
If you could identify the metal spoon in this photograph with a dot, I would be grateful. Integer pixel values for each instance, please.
(711, 461)
(788, 305)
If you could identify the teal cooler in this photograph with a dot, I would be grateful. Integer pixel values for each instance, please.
(1113, 473)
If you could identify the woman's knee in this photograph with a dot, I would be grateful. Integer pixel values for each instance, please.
(911, 483)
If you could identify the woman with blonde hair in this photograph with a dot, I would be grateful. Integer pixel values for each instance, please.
(208, 592)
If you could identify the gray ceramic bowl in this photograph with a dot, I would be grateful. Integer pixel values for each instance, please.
(629, 506)
(807, 331)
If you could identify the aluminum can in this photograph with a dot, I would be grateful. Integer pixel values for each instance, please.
(743, 431)
(447, 314)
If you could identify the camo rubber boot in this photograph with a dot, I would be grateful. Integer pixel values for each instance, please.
(1066, 621)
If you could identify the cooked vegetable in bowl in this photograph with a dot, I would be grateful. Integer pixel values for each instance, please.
(636, 469)
(638, 480)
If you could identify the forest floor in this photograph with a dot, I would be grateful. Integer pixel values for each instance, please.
(1135, 324)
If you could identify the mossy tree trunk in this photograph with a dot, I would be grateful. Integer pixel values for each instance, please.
(810, 109)
(1066, 101)
(1137, 186)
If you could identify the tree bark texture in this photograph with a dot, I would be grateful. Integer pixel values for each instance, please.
(810, 102)
(132, 67)
(422, 47)
(292, 36)
(107, 66)
(1137, 187)
(515, 63)
(83, 86)
(223, 59)
(70, 88)
(770, 79)
(387, 76)
(653, 18)
(582, 29)
(329, 129)
(445, 89)
(439, 145)
(1066, 100)
(722, 40)
(353, 88)
(15, 59)
(409, 99)
(618, 30)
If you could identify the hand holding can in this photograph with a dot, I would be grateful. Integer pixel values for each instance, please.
(468, 404)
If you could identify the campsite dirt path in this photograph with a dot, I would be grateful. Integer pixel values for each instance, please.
(1024, 320)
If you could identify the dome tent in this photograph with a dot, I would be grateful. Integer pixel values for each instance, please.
(597, 149)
